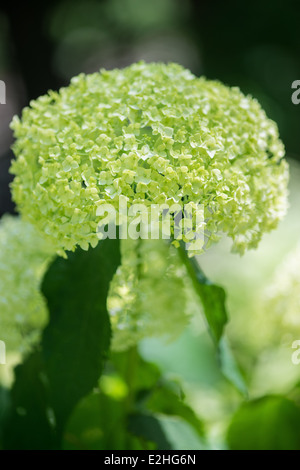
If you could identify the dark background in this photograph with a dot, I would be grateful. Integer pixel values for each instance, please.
(254, 45)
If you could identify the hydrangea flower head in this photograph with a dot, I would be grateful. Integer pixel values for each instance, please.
(24, 258)
(151, 294)
(155, 134)
(281, 298)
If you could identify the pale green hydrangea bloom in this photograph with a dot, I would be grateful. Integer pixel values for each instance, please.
(149, 295)
(281, 299)
(24, 258)
(153, 133)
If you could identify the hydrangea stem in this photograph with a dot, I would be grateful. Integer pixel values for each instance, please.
(193, 267)
(212, 296)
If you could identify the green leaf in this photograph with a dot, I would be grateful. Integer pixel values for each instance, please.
(76, 340)
(270, 423)
(4, 409)
(131, 410)
(167, 400)
(29, 422)
(148, 428)
(99, 422)
(212, 297)
(180, 434)
(141, 374)
(52, 380)
(230, 368)
(95, 424)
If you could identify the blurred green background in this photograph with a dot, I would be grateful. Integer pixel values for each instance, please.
(256, 46)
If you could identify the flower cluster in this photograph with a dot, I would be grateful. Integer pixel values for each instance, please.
(24, 258)
(155, 134)
(281, 299)
(151, 294)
